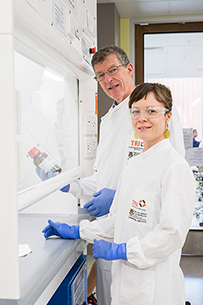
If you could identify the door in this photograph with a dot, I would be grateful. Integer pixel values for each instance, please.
(172, 54)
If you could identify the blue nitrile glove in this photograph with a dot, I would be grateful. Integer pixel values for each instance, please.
(109, 251)
(65, 189)
(43, 177)
(61, 229)
(100, 205)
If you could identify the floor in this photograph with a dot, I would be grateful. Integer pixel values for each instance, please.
(193, 272)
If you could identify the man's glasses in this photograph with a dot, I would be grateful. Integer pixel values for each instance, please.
(149, 112)
(112, 71)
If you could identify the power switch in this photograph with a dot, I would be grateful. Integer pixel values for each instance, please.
(90, 124)
(90, 147)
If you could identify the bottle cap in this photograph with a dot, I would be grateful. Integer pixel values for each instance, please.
(33, 152)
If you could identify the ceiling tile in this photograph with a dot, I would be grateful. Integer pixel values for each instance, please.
(142, 9)
(186, 7)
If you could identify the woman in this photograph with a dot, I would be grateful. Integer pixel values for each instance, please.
(151, 212)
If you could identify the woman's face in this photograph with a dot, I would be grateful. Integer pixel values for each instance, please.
(150, 129)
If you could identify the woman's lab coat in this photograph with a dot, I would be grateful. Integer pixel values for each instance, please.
(151, 213)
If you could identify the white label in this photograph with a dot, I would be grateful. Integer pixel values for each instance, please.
(90, 21)
(73, 4)
(59, 16)
(49, 164)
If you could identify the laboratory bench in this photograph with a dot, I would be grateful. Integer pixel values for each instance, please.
(192, 260)
(194, 242)
(42, 270)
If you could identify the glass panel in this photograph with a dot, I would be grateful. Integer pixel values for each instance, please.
(49, 110)
(176, 60)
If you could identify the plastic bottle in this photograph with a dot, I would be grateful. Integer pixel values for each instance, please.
(43, 161)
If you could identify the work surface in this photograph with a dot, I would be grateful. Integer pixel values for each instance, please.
(48, 256)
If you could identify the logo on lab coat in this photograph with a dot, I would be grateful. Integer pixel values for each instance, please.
(135, 147)
(138, 211)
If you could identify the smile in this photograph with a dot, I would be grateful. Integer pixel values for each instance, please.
(143, 128)
(113, 87)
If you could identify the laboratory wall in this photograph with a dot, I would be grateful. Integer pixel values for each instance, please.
(108, 34)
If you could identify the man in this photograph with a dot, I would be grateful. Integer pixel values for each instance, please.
(114, 72)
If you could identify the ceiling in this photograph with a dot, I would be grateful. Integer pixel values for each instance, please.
(155, 8)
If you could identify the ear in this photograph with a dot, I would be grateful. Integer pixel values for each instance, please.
(168, 117)
(130, 69)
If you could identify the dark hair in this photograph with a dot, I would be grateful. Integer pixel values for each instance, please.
(101, 55)
(161, 93)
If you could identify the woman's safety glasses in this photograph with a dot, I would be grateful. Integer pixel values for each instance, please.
(149, 112)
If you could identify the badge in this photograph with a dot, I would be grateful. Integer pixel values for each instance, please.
(138, 211)
(135, 146)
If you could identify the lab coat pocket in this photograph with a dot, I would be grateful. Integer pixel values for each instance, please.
(142, 208)
(137, 286)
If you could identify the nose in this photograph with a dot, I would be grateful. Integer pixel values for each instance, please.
(107, 77)
(142, 116)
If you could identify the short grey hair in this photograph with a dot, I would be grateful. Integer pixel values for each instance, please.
(101, 55)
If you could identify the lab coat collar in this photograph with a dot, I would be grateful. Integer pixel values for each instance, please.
(114, 104)
(156, 148)
(118, 107)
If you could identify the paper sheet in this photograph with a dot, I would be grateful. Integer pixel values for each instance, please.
(24, 250)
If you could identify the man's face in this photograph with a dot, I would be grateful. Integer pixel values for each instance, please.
(120, 85)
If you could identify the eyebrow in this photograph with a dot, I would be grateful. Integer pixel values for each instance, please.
(146, 106)
(99, 72)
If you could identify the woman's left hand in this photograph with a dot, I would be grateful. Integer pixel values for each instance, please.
(109, 251)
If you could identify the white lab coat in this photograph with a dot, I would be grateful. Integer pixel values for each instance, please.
(151, 213)
(116, 138)
(117, 143)
(116, 133)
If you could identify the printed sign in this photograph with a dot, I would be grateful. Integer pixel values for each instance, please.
(188, 137)
(59, 16)
(73, 4)
(194, 156)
